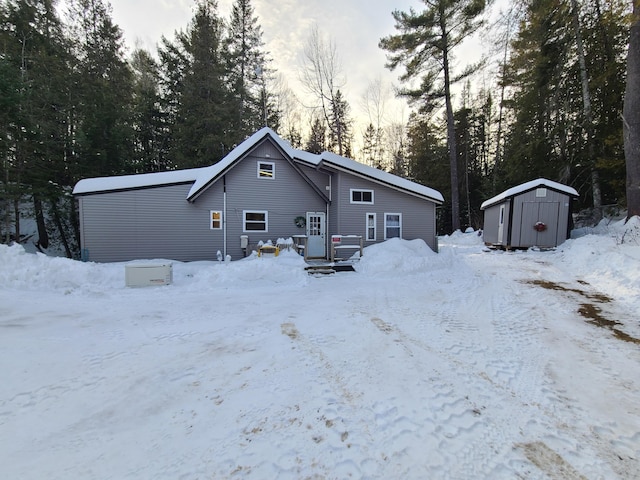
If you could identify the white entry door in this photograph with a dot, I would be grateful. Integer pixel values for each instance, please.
(316, 235)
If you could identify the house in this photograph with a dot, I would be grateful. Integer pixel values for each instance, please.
(536, 213)
(262, 190)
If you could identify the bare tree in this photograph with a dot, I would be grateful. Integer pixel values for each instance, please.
(373, 103)
(322, 76)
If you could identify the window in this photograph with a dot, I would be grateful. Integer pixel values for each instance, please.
(541, 192)
(267, 170)
(371, 227)
(255, 221)
(361, 196)
(215, 219)
(392, 225)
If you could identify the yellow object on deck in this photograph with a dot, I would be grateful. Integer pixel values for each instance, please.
(268, 251)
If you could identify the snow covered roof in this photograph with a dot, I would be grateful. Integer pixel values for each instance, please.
(331, 159)
(540, 182)
(205, 176)
(324, 159)
(141, 180)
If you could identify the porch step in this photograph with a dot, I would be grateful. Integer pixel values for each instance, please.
(320, 269)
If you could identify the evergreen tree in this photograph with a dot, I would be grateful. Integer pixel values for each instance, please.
(317, 137)
(103, 97)
(197, 96)
(247, 72)
(149, 145)
(427, 160)
(537, 143)
(564, 104)
(36, 62)
(425, 46)
(339, 126)
(369, 146)
(632, 117)
(606, 38)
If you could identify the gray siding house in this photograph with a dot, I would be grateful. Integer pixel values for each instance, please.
(536, 213)
(262, 190)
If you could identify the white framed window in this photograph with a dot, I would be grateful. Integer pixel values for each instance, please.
(392, 225)
(361, 196)
(255, 221)
(371, 227)
(267, 170)
(541, 192)
(215, 219)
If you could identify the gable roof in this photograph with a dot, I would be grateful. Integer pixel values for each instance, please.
(203, 177)
(525, 187)
(325, 159)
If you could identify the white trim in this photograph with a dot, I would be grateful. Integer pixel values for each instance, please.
(386, 215)
(211, 220)
(244, 221)
(361, 190)
(264, 173)
(367, 237)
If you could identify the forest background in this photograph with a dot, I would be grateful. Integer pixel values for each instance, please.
(547, 101)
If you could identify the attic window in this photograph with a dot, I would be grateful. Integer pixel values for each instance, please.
(541, 192)
(362, 196)
(266, 170)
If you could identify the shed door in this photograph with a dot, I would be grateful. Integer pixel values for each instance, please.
(534, 212)
(501, 225)
(316, 235)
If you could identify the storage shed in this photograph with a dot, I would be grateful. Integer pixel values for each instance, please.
(534, 214)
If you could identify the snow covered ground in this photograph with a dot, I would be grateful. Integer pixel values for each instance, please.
(467, 364)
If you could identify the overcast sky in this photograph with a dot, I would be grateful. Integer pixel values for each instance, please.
(354, 26)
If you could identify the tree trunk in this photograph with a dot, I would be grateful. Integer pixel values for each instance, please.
(631, 116)
(588, 115)
(43, 236)
(451, 138)
(58, 221)
(16, 215)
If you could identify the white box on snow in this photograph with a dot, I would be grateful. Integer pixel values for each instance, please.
(148, 274)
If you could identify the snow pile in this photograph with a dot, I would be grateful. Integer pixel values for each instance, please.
(463, 364)
(38, 271)
(607, 259)
(397, 256)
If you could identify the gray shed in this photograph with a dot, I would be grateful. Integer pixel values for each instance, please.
(534, 214)
(262, 190)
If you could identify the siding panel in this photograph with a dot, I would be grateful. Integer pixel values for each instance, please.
(418, 215)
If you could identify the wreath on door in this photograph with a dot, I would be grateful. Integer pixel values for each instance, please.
(300, 222)
(540, 227)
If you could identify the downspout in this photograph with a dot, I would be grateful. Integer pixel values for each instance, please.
(327, 204)
(224, 215)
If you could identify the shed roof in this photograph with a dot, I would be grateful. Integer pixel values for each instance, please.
(205, 176)
(525, 187)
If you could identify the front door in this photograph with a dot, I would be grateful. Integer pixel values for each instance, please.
(316, 235)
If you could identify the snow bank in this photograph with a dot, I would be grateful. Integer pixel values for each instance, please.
(395, 255)
(604, 257)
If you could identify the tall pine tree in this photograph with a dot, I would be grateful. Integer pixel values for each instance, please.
(425, 46)
(197, 92)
